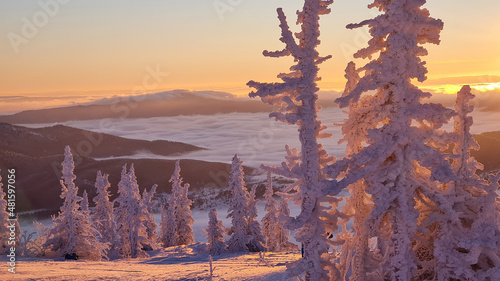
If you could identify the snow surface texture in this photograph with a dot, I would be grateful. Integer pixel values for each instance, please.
(171, 264)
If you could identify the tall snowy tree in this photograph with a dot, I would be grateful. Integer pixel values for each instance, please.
(283, 234)
(150, 203)
(270, 222)
(469, 249)
(167, 226)
(130, 215)
(183, 215)
(401, 163)
(72, 231)
(257, 240)
(238, 209)
(177, 221)
(355, 251)
(103, 218)
(296, 98)
(85, 203)
(215, 234)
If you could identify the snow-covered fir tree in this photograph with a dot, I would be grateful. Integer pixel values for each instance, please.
(103, 218)
(400, 164)
(468, 249)
(270, 222)
(167, 226)
(296, 98)
(283, 234)
(354, 251)
(130, 215)
(4, 222)
(238, 209)
(177, 221)
(150, 203)
(215, 234)
(85, 203)
(184, 219)
(71, 231)
(257, 240)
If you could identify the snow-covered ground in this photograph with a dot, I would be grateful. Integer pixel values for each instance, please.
(175, 263)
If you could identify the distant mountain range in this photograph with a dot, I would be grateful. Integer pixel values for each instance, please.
(172, 103)
(36, 155)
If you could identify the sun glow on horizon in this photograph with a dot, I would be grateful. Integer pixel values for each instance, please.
(452, 89)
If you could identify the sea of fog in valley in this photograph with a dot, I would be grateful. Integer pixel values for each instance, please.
(255, 137)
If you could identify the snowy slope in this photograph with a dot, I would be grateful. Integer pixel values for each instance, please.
(174, 263)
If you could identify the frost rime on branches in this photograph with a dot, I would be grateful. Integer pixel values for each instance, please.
(215, 234)
(257, 240)
(270, 222)
(400, 163)
(130, 215)
(296, 100)
(103, 218)
(72, 231)
(177, 220)
(469, 249)
(238, 209)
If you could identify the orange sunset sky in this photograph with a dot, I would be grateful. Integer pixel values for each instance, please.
(95, 48)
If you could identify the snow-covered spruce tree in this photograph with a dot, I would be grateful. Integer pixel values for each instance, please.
(296, 98)
(238, 209)
(150, 203)
(130, 215)
(177, 220)
(85, 203)
(71, 231)
(468, 249)
(400, 163)
(270, 222)
(183, 214)
(166, 226)
(4, 222)
(257, 240)
(354, 249)
(103, 218)
(283, 234)
(215, 234)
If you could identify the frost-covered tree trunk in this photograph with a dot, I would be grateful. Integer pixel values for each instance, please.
(215, 234)
(270, 222)
(296, 97)
(400, 163)
(469, 249)
(238, 209)
(103, 218)
(72, 231)
(257, 240)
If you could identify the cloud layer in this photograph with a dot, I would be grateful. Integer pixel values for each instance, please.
(254, 136)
